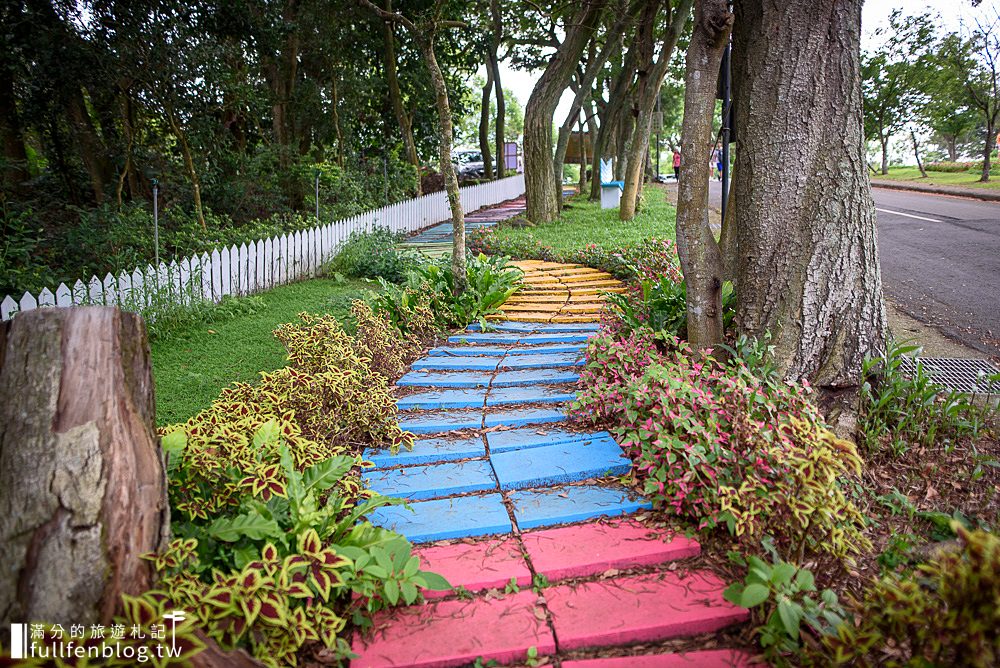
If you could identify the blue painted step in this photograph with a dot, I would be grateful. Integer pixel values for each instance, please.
(500, 351)
(518, 418)
(468, 398)
(437, 422)
(536, 437)
(522, 339)
(558, 505)
(429, 481)
(535, 377)
(427, 450)
(441, 379)
(557, 360)
(509, 396)
(556, 464)
(457, 517)
(456, 364)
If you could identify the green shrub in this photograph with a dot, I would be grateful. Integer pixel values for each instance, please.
(945, 614)
(945, 166)
(900, 410)
(783, 601)
(374, 255)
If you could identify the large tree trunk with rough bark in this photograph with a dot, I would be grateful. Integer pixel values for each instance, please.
(700, 255)
(650, 78)
(808, 268)
(82, 483)
(541, 191)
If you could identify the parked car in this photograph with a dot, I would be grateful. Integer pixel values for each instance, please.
(468, 163)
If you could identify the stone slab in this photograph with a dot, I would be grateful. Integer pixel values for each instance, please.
(508, 396)
(536, 437)
(462, 398)
(557, 464)
(429, 450)
(638, 609)
(480, 565)
(446, 379)
(535, 377)
(519, 418)
(555, 337)
(436, 422)
(712, 658)
(486, 337)
(553, 360)
(545, 349)
(430, 481)
(455, 364)
(456, 633)
(590, 549)
(455, 517)
(561, 505)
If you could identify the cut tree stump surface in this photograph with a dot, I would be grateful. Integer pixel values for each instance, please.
(549, 508)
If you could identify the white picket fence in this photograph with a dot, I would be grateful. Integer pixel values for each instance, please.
(256, 266)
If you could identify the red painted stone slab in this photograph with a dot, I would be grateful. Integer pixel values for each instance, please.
(475, 566)
(454, 633)
(591, 549)
(642, 608)
(716, 658)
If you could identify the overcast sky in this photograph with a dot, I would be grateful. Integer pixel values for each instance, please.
(875, 14)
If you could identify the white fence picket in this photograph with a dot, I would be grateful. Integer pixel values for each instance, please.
(261, 264)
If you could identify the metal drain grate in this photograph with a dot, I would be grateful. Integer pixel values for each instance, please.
(963, 375)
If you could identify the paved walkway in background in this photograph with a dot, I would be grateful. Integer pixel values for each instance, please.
(525, 514)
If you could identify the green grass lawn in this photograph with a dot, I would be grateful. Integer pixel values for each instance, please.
(193, 363)
(584, 222)
(967, 179)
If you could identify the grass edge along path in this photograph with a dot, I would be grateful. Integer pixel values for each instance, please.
(583, 222)
(194, 362)
(966, 179)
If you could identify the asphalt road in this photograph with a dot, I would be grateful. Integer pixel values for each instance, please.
(940, 262)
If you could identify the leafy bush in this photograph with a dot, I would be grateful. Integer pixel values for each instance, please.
(720, 443)
(662, 305)
(945, 166)
(489, 282)
(782, 598)
(374, 254)
(901, 410)
(946, 614)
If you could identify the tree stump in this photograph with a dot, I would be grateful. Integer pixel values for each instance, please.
(82, 482)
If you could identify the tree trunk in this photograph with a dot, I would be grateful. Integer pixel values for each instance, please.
(189, 163)
(541, 190)
(585, 137)
(447, 169)
(650, 78)
(82, 484)
(497, 20)
(334, 104)
(396, 97)
(15, 157)
(484, 120)
(884, 141)
(987, 153)
(952, 149)
(91, 149)
(700, 255)
(282, 73)
(808, 269)
(916, 153)
(609, 120)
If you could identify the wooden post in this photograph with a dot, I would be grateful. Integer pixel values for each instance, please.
(82, 485)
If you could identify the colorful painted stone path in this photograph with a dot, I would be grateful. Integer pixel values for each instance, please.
(505, 493)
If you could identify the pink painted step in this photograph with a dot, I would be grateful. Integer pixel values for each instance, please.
(455, 633)
(593, 548)
(716, 658)
(475, 566)
(641, 608)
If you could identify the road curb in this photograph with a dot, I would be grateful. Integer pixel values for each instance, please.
(938, 190)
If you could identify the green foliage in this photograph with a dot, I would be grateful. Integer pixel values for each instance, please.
(374, 254)
(429, 290)
(785, 605)
(945, 614)
(900, 410)
(662, 305)
(949, 167)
